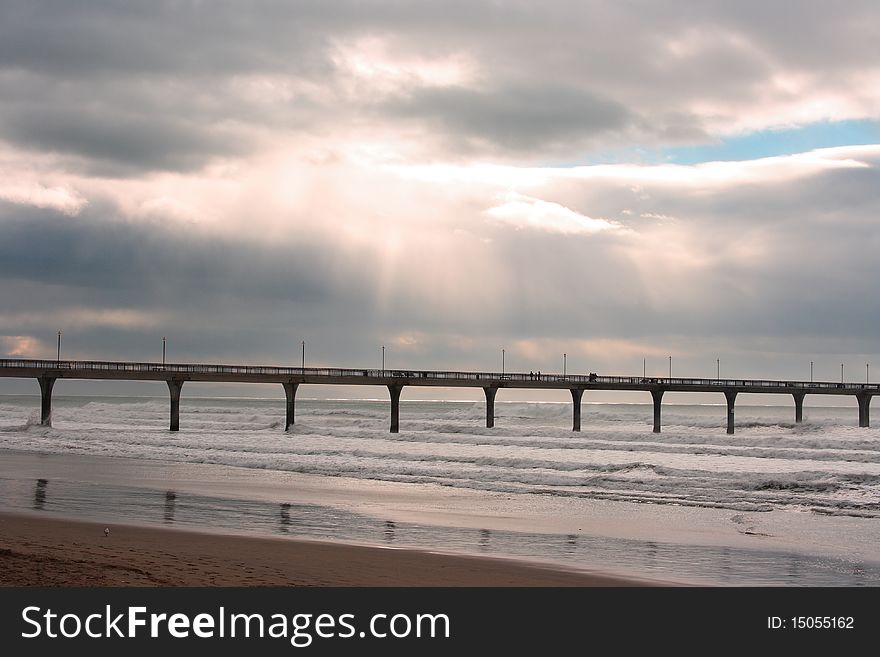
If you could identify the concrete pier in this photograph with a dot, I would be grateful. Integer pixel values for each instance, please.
(46, 385)
(731, 400)
(864, 400)
(490, 391)
(394, 390)
(576, 396)
(290, 394)
(799, 406)
(174, 387)
(175, 374)
(657, 395)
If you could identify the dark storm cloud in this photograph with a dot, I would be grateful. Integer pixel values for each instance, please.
(153, 264)
(517, 117)
(114, 144)
(150, 86)
(131, 87)
(807, 34)
(164, 37)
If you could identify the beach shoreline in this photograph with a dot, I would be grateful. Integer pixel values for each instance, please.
(777, 506)
(42, 550)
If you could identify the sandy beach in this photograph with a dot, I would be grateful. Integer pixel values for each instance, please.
(49, 551)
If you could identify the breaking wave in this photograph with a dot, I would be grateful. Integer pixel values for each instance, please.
(826, 465)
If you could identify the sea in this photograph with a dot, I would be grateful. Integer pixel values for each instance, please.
(775, 504)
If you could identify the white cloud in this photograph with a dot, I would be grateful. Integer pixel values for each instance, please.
(26, 192)
(766, 170)
(84, 318)
(373, 61)
(525, 212)
(21, 346)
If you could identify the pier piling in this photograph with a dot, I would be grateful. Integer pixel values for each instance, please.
(394, 390)
(864, 400)
(731, 399)
(576, 395)
(174, 386)
(799, 406)
(657, 395)
(490, 391)
(290, 394)
(46, 385)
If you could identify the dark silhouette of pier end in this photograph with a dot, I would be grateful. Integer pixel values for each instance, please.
(47, 372)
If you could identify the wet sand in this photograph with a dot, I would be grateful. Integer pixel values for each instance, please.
(43, 550)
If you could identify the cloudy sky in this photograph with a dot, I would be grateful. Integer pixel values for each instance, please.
(616, 181)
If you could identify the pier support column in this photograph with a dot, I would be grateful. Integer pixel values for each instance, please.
(290, 393)
(864, 400)
(576, 395)
(731, 399)
(490, 391)
(46, 385)
(798, 406)
(174, 386)
(395, 407)
(658, 397)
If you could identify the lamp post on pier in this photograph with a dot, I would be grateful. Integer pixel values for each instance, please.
(58, 356)
(163, 351)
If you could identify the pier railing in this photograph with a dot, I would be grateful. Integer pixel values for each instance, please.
(452, 376)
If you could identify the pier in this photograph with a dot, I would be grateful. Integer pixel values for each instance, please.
(47, 372)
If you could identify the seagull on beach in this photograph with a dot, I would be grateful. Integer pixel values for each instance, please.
(106, 531)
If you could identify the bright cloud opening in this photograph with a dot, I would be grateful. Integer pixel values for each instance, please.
(525, 212)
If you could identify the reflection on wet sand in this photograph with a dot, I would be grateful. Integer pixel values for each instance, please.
(285, 518)
(726, 571)
(170, 501)
(389, 531)
(716, 565)
(40, 494)
(485, 534)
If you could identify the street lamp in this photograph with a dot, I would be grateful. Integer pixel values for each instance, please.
(303, 368)
(383, 360)
(58, 358)
(811, 371)
(841, 372)
(644, 367)
(163, 350)
(867, 373)
(670, 367)
(564, 364)
(718, 368)
(502, 361)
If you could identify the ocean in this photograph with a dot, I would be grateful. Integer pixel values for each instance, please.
(777, 503)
